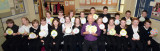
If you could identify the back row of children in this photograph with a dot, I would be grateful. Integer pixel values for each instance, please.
(19, 40)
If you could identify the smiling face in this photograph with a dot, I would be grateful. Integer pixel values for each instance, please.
(135, 22)
(48, 15)
(111, 22)
(90, 19)
(55, 23)
(82, 15)
(67, 20)
(24, 21)
(147, 24)
(105, 10)
(123, 23)
(10, 24)
(93, 11)
(128, 14)
(43, 22)
(144, 14)
(77, 21)
(35, 24)
(99, 21)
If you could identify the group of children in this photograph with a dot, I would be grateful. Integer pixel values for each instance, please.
(138, 36)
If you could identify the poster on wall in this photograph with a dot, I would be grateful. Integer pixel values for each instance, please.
(4, 6)
(156, 11)
(104, 2)
(82, 1)
(66, 3)
(87, 1)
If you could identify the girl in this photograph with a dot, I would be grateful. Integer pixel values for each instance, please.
(146, 37)
(46, 28)
(34, 44)
(71, 15)
(101, 38)
(11, 41)
(24, 30)
(56, 41)
(111, 40)
(134, 35)
(67, 28)
(49, 19)
(78, 39)
(83, 18)
(122, 40)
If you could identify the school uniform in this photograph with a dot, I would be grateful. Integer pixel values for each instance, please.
(90, 41)
(58, 39)
(105, 15)
(145, 38)
(10, 43)
(122, 42)
(101, 41)
(68, 39)
(126, 20)
(78, 39)
(136, 45)
(83, 21)
(141, 23)
(46, 39)
(34, 44)
(24, 38)
(111, 41)
(49, 20)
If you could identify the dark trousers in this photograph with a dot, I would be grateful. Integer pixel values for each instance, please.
(6, 45)
(101, 43)
(69, 43)
(122, 44)
(136, 45)
(154, 46)
(111, 43)
(34, 45)
(90, 44)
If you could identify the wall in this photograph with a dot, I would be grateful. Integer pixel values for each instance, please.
(30, 14)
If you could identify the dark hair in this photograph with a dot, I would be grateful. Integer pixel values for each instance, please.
(68, 17)
(144, 11)
(92, 8)
(125, 24)
(81, 12)
(60, 11)
(112, 18)
(70, 12)
(117, 14)
(128, 11)
(9, 21)
(105, 7)
(43, 19)
(35, 21)
(79, 21)
(148, 22)
(56, 19)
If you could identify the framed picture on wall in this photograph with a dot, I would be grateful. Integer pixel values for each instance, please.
(156, 11)
(35, 2)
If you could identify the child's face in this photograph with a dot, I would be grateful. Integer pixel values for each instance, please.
(128, 14)
(48, 15)
(35, 24)
(24, 21)
(77, 21)
(71, 14)
(60, 13)
(147, 25)
(82, 15)
(144, 14)
(10, 24)
(67, 20)
(99, 21)
(105, 10)
(123, 23)
(135, 22)
(117, 16)
(55, 23)
(93, 11)
(111, 22)
(43, 22)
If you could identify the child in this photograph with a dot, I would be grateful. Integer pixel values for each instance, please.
(34, 44)
(24, 31)
(133, 33)
(56, 41)
(10, 43)
(49, 19)
(105, 14)
(146, 37)
(60, 16)
(83, 18)
(78, 39)
(44, 27)
(128, 17)
(67, 28)
(71, 15)
(143, 18)
(101, 38)
(117, 19)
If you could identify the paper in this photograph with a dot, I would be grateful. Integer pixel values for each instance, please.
(93, 1)
(87, 1)
(13, 12)
(66, 3)
(109, 1)
(11, 3)
(114, 1)
(4, 6)
(152, 3)
(99, 1)
(82, 1)
(104, 2)
(71, 3)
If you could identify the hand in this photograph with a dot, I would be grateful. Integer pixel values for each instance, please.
(126, 36)
(86, 33)
(42, 41)
(149, 42)
(151, 35)
(94, 34)
(104, 30)
(54, 43)
(53, 37)
(5, 34)
(41, 37)
(64, 29)
(14, 34)
(116, 35)
(73, 33)
(119, 35)
(133, 39)
(18, 33)
(108, 33)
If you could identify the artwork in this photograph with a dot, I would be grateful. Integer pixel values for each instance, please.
(156, 11)
(4, 6)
